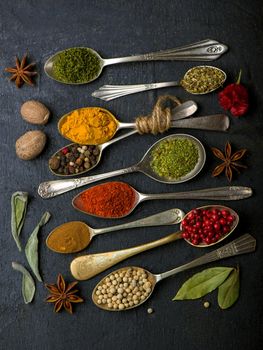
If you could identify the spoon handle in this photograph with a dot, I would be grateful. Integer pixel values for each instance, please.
(87, 266)
(168, 217)
(110, 92)
(217, 122)
(228, 193)
(49, 189)
(205, 50)
(242, 245)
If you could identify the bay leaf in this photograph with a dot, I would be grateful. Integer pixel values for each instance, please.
(18, 212)
(203, 283)
(228, 292)
(28, 284)
(31, 249)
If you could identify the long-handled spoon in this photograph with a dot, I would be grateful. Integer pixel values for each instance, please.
(242, 245)
(87, 266)
(77, 239)
(53, 188)
(110, 92)
(181, 111)
(205, 50)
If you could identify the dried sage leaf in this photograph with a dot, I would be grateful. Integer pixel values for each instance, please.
(203, 283)
(228, 292)
(28, 284)
(31, 249)
(18, 212)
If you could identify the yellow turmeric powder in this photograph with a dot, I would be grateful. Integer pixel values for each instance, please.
(88, 126)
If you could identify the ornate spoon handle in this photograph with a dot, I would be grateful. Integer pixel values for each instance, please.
(242, 245)
(205, 50)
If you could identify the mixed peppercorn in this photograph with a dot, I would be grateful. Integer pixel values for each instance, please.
(74, 159)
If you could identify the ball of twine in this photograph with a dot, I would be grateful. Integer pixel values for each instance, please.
(160, 119)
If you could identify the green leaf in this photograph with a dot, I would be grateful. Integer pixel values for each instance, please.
(228, 292)
(18, 212)
(203, 283)
(28, 284)
(31, 249)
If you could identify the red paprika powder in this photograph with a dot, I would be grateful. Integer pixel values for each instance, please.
(109, 200)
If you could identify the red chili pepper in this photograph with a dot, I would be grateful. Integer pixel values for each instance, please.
(234, 98)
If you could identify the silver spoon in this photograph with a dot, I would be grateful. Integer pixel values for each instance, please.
(77, 239)
(110, 92)
(242, 245)
(181, 111)
(54, 188)
(87, 266)
(205, 50)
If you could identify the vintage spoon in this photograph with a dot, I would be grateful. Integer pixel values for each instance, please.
(181, 111)
(242, 245)
(53, 188)
(79, 238)
(110, 92)
(87, 266)
(205, 50)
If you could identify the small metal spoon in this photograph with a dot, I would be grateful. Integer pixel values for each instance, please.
(79, 238)
(88, 266)
(205, 50)
(242, 245)
(54, 188)
(110, 92)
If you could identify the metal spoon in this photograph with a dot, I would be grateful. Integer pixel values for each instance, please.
(242, 245)
(205, 50)
(53, 188)
(181, 111)
(79, 238)
(110, 92)
(88, 266)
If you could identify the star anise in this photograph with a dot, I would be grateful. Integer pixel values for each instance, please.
(22, 72)
(62, 295)
(229, 161)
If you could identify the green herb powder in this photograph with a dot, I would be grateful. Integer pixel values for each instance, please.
(202, 79)
(174, 158)
(76, 65)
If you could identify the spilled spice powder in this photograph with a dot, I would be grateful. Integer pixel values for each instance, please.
(109, 200)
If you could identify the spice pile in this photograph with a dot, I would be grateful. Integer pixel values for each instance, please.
(123, 289)
(74, 159)
(174, 158)
(76, 65)
(88, 126)
(108, 200)
(207, 225)
(202, 79)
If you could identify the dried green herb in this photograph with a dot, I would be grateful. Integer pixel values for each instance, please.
(28, 284)
(18, 211)
(31, 249)
(174, 158)
(228, 292)
(203, 283)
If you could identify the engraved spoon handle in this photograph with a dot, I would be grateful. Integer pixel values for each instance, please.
(242, 245)
(168, 217)
(54, 188)
(218, 193)
(205, 50)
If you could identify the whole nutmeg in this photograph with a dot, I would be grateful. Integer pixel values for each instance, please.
(30, 145)
(35, 112)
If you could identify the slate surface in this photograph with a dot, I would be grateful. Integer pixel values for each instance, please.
(118, 28)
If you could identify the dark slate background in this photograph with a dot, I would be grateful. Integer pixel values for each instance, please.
(118, 28)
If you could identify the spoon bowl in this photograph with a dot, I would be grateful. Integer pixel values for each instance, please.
(77, 238)
(49, 66)
(242, 245)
